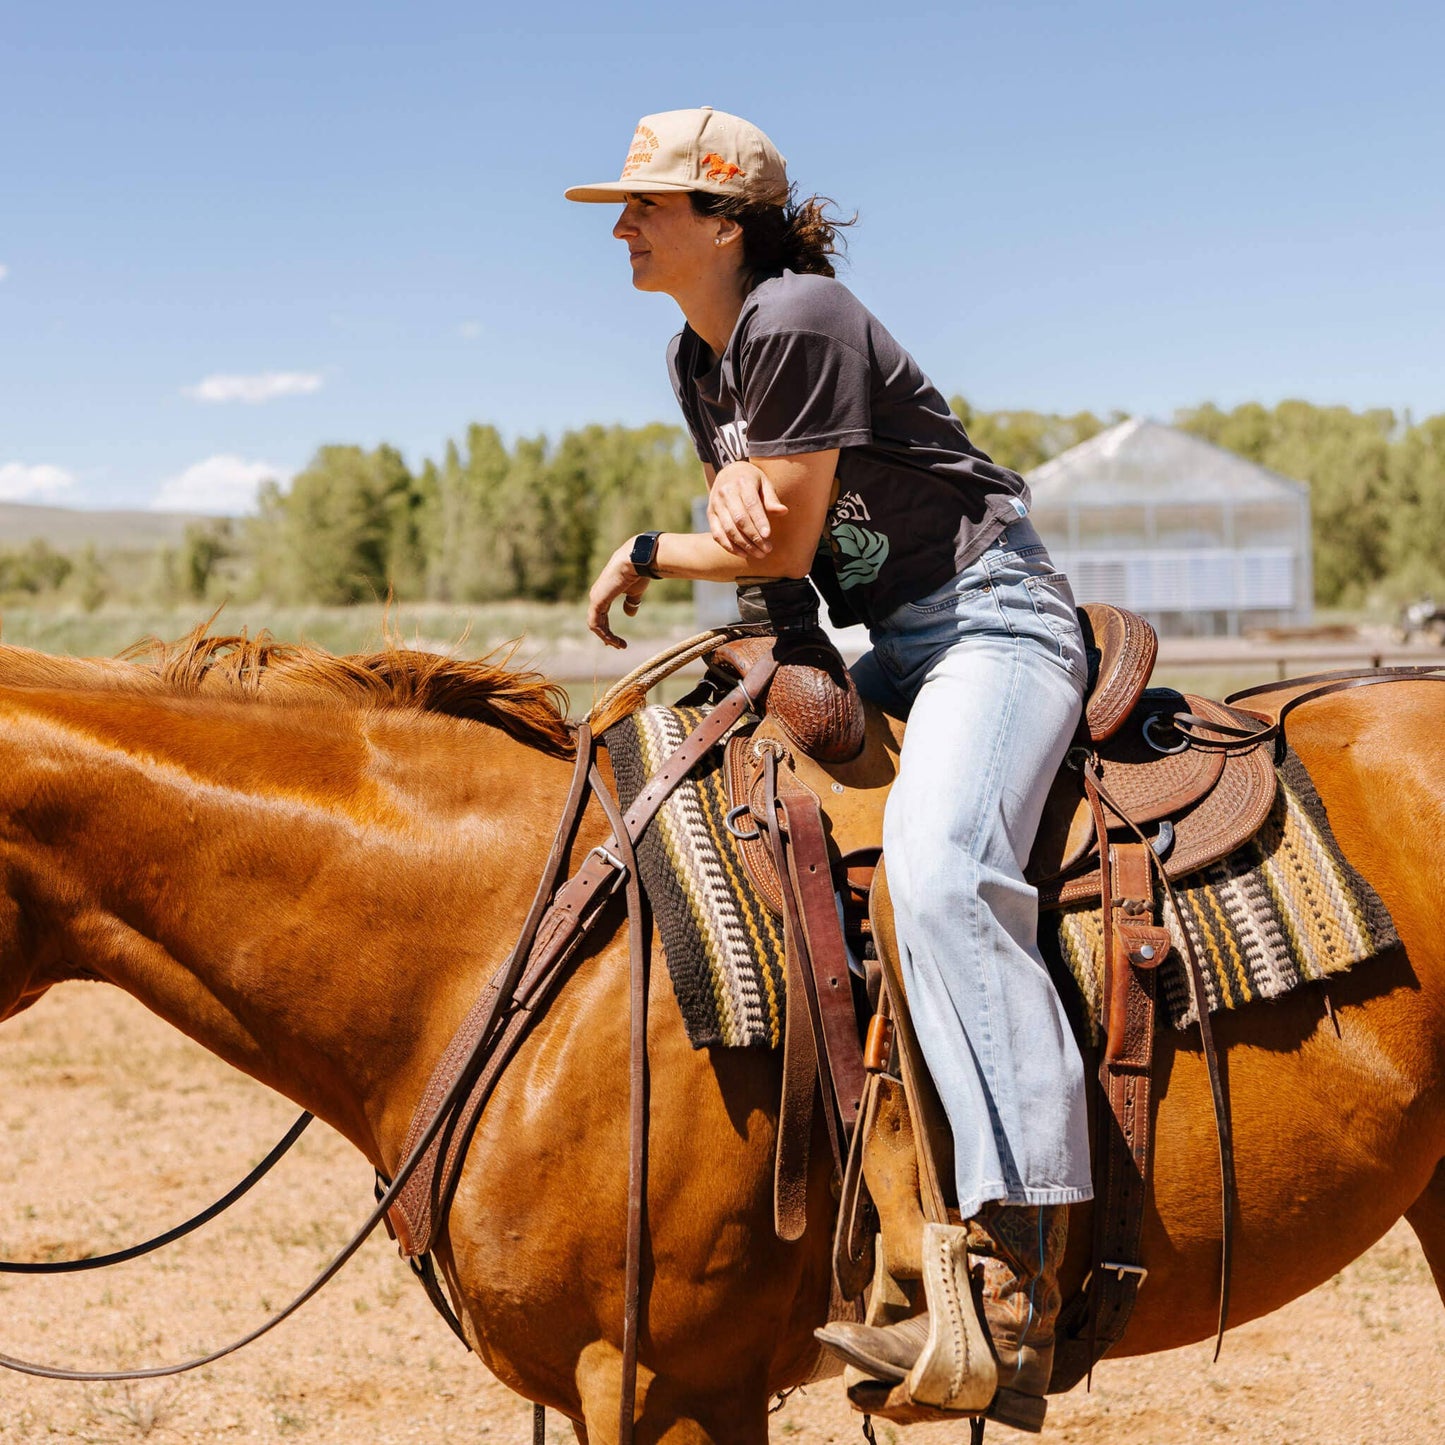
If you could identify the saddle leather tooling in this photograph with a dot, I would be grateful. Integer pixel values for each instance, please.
(1207, 795)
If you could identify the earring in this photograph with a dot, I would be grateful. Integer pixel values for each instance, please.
(717, 240)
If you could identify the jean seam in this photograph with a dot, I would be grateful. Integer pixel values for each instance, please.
(1032, 585)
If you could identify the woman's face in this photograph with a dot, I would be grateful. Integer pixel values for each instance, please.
(672, 248)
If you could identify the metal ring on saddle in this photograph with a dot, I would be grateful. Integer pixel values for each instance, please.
(730, 824)
(1146, 728)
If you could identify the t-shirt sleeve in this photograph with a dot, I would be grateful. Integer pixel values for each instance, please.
(689, 412)
(804, 391)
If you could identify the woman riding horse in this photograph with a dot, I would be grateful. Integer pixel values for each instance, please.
(829, 454)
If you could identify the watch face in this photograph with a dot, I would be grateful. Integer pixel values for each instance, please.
(644, 549)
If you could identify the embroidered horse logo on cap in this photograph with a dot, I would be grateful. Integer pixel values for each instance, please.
(720, 170)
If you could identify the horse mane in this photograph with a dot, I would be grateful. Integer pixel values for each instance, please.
(238, 667)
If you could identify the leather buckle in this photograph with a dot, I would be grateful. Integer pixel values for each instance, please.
(612, 859)
(769, 745)
(1122, 1269)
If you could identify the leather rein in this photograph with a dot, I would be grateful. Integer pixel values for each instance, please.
(556, 924)
(179, 1231)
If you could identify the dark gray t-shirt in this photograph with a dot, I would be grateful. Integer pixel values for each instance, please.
(809, 368)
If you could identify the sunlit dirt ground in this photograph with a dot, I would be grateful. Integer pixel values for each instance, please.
(114, 1126)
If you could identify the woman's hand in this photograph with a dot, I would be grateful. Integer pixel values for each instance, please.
(619, 578)
(738, 505)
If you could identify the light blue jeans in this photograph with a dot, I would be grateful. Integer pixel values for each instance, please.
(989, 671)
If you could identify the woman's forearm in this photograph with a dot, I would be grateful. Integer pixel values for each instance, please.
(697, 556)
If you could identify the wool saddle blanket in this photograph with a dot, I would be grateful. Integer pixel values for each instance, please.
(1285, 909)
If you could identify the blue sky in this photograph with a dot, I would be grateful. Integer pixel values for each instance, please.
(354, 212)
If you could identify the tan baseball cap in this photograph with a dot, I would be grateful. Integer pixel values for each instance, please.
(696, 150)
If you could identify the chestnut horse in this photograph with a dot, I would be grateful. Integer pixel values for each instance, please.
(311, 865)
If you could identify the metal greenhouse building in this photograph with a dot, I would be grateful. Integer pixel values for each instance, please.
(1199, 540)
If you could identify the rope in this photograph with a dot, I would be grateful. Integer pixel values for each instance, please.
(657, 669)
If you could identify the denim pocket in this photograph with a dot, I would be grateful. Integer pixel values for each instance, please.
(948, 600)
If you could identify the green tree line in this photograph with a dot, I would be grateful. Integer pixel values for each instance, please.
(487, 522)
(536, 520)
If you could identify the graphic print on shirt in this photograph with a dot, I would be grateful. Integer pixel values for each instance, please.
(731, 440)
(858, 552)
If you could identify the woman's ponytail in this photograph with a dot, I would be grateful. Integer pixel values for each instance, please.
(799, 236)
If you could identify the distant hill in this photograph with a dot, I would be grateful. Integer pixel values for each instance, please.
(66, 528)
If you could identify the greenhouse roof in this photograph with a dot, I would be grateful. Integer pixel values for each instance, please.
(1144, 461)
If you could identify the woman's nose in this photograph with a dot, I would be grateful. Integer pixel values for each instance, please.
(625, 226)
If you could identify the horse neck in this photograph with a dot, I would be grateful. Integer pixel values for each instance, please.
(306, 892)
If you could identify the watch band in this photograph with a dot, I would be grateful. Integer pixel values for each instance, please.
(644, 553)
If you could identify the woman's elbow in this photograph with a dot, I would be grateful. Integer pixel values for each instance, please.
(783, 561)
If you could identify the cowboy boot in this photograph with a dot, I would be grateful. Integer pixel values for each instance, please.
(1021, 1247)
(941, 1357)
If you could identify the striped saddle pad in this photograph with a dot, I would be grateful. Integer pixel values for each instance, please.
(1285, 909)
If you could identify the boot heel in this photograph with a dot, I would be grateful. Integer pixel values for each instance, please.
(1017, 1410)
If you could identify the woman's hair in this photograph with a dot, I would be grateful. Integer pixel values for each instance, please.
(798, 235)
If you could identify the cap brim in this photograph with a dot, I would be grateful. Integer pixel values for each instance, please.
(608, 191)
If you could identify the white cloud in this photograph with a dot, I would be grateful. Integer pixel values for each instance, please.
(4, 271)
(469, 330)
(19, 483)
(264, 386)
(223, 484)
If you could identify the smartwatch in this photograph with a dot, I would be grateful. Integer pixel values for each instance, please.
(644, 554)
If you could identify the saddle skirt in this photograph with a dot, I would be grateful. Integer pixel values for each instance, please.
(1202, 802)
